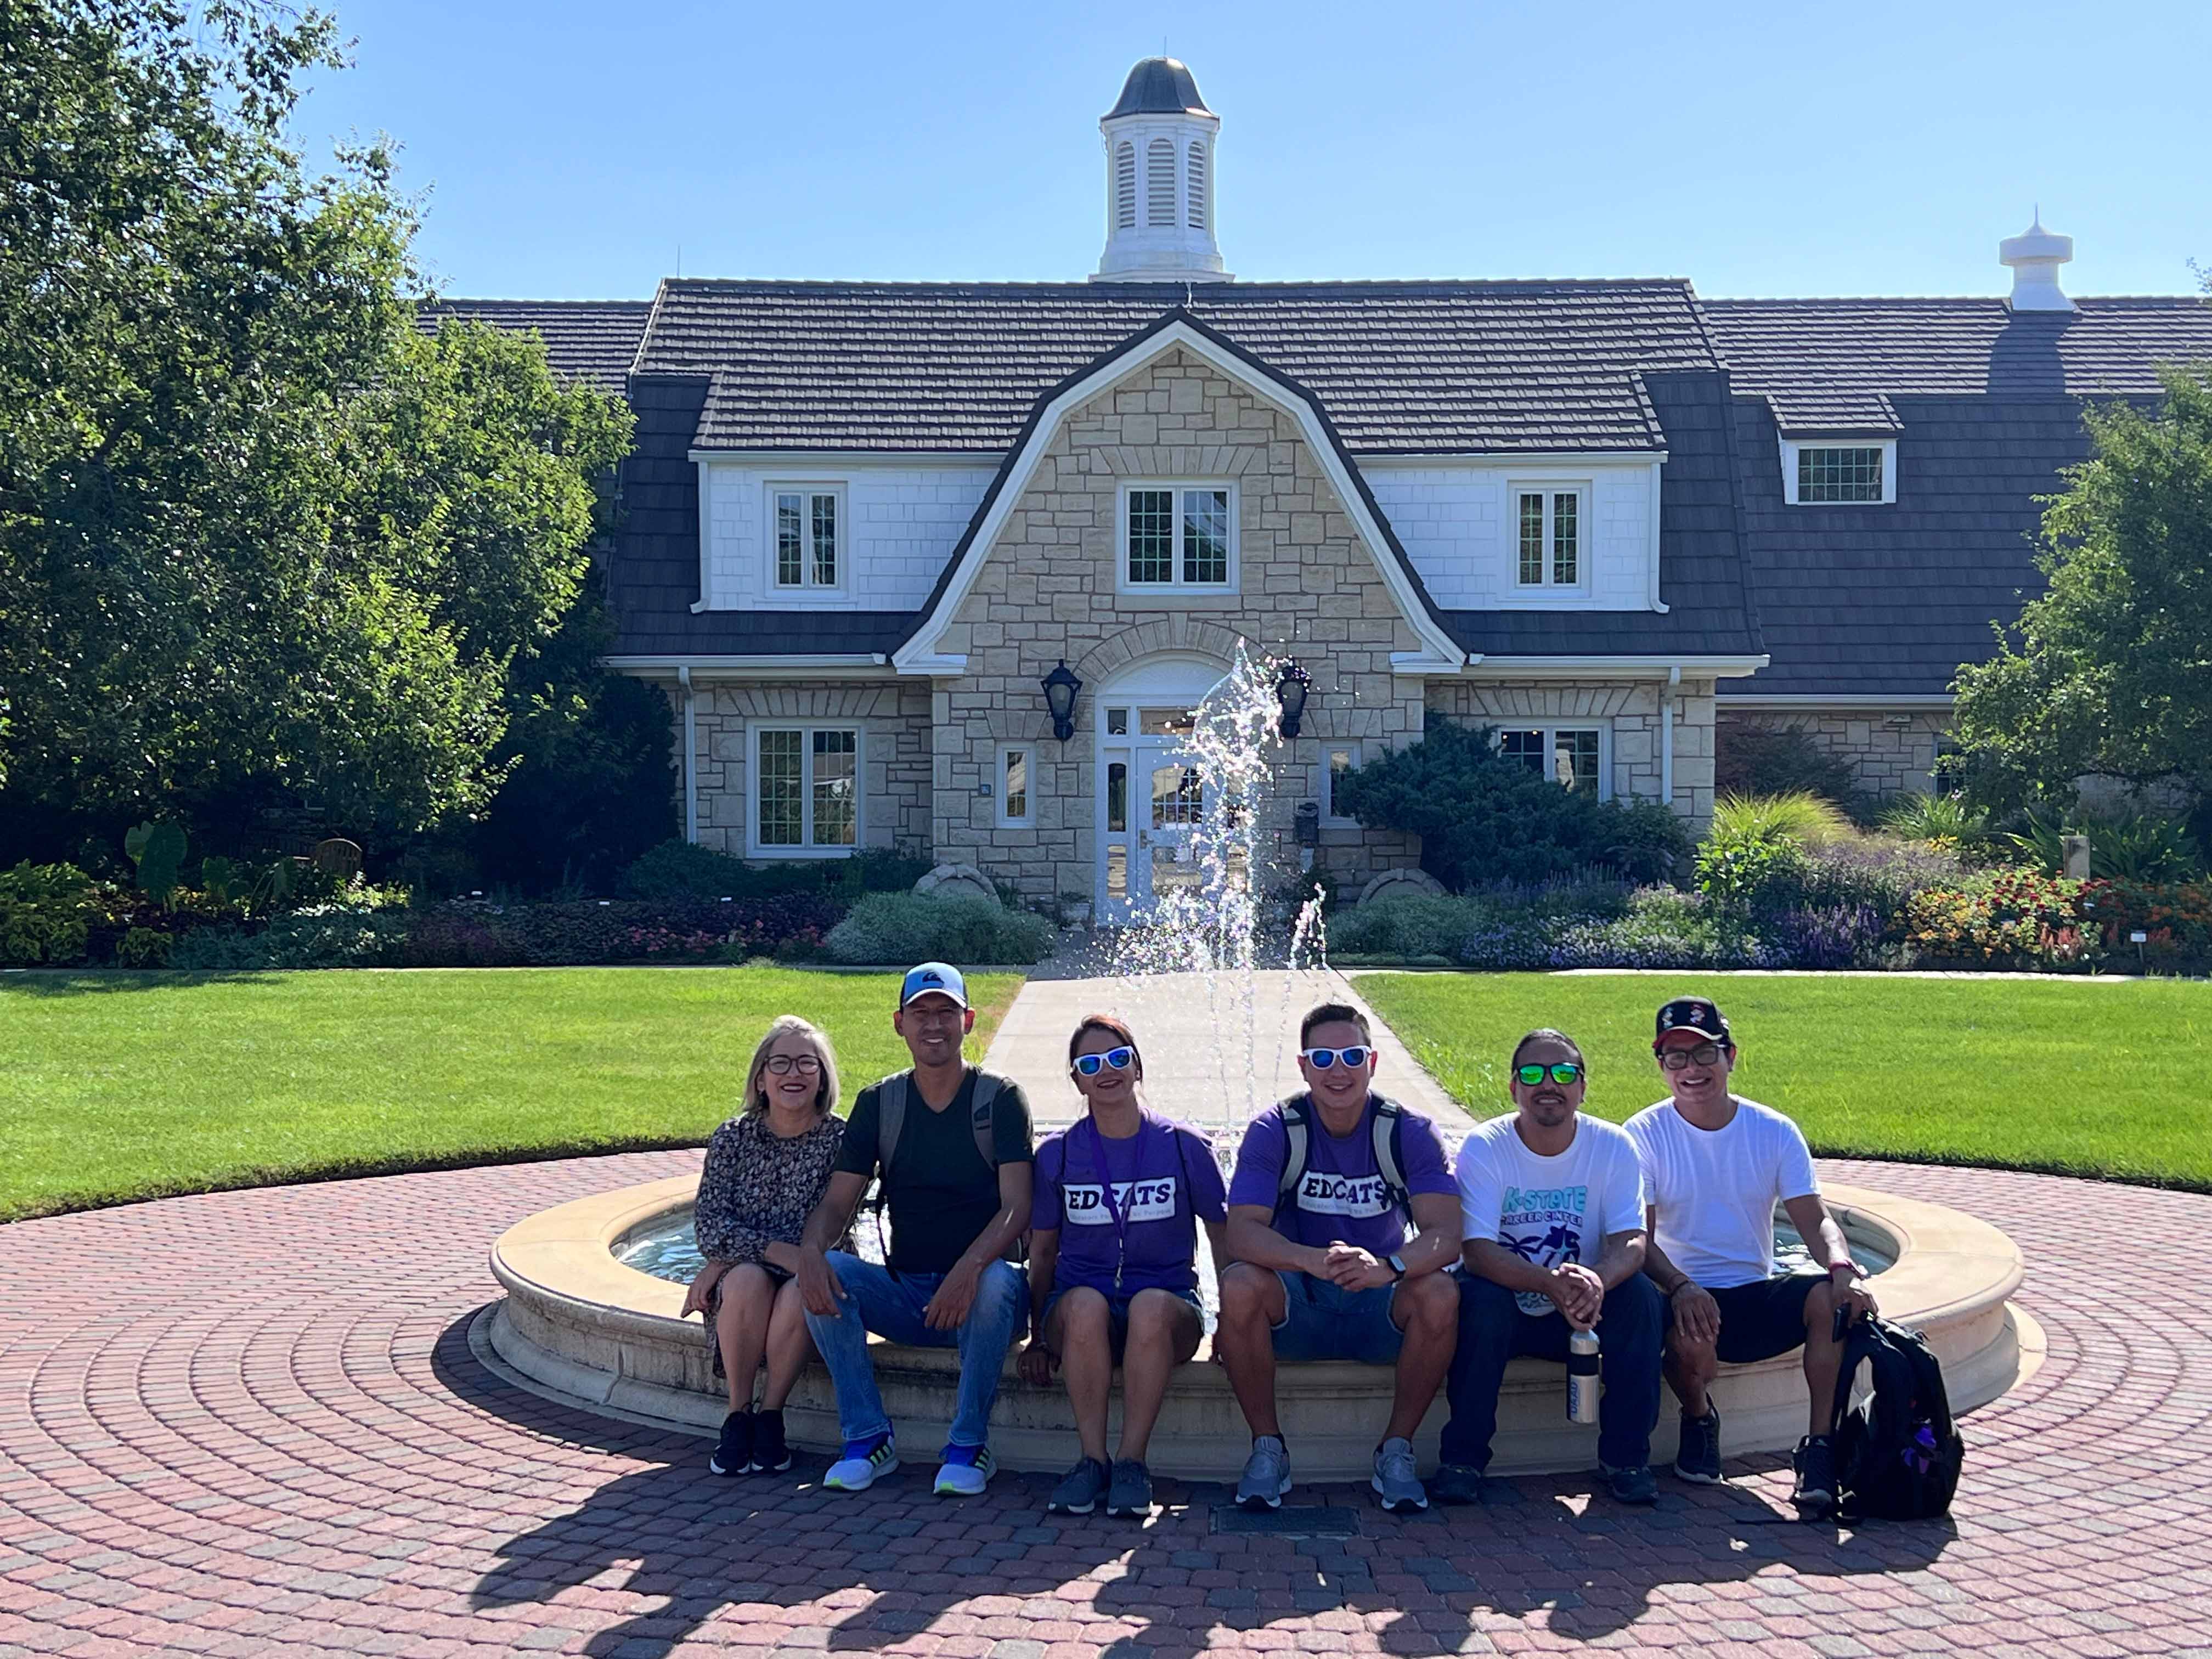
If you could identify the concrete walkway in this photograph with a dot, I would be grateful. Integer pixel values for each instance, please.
(1217, 1050)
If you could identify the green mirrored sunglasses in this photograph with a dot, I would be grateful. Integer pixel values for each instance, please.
(1565, 1071)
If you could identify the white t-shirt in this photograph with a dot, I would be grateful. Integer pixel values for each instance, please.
(1713, 1191)
(1549, 1210)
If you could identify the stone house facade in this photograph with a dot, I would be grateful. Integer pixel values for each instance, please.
(865, 524)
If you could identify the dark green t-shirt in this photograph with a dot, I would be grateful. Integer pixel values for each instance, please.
(940, 1192)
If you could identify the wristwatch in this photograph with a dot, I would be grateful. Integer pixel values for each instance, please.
(1397, 1266)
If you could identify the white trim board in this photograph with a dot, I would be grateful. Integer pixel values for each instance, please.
(1638, 667)
(839, 457)
(870, 666)
(920, 655)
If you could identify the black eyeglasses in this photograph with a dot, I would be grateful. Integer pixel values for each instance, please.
(1565, 1071)
(1705, 1054)
(805, 1064)
(1120, 1059)
(1353, 1058)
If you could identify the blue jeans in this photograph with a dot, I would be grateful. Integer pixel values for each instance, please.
(891, 1305)
(1492, 1329)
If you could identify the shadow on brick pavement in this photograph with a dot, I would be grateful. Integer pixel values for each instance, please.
(853, 1571)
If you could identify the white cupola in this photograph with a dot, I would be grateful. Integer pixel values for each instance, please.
(1159, 180)
(2035, 255)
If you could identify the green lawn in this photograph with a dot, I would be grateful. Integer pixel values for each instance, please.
(2106, 1078)
(119, 1086)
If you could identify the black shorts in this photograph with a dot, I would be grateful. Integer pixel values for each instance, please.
(1764, 1318)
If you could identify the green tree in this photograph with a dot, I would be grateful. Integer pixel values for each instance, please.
(259, 538)
(2109, 672)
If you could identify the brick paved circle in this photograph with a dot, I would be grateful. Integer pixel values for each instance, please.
(250, 1423)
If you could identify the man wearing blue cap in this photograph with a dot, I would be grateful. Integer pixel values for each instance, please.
(952, 1143)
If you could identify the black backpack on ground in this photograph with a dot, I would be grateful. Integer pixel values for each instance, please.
(1897, 1454)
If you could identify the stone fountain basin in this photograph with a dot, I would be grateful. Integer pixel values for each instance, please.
(577, 1326)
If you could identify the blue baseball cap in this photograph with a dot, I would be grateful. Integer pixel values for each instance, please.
(941, 978)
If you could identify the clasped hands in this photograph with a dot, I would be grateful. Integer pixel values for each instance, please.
(1349, 1268)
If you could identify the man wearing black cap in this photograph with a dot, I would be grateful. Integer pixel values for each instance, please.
(1715, 1165)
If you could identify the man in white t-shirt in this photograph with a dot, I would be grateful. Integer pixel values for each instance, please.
(1715, 1165)
(1552, 1224)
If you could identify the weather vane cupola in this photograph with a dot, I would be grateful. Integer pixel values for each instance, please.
(1159, 179)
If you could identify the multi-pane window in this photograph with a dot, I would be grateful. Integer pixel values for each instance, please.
(1548, 538)
(1014, 784)
(1569, 755)
(1178, 536)
(806, 788)
(1839, 473)
(806, 521)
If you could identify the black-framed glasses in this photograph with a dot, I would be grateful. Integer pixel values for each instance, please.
(1705, 1054)
(1352, 1058)
(1120, 1059)
(785, 1064)
(1565, 1071)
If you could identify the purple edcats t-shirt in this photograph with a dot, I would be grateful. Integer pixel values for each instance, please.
(1342, 1199)
(1164, 1181)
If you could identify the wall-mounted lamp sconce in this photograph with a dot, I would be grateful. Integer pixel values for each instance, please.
(1060, 688)
(1291, 685)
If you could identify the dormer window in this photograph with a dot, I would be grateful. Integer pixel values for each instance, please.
(805, 530)
(1549, 524)
(1178, 538)
(1838, 472)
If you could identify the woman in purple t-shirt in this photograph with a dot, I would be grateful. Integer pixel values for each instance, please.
(1113, 1262)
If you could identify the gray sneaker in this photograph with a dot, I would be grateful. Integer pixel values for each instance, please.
(1079, 1490)
(1266, 1475)
(1131, 1492)
(1395, 1482)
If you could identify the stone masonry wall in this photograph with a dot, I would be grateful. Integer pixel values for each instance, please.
(1307, 584)
(1631, 709)
(895, 753)
(1892, 753)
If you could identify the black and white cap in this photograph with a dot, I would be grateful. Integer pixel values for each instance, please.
(1692, 1014)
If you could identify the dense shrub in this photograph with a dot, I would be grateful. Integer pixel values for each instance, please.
(681, 869)
(1651, 927)
(48, 912)
(338, 935)
(2175, 920)
(1947, 821)
(1483, 817)
(908, 927)
(1764, 760)
(145, 947)
(2122, 845)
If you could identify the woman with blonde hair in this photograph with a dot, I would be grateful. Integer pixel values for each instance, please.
(765, 1171)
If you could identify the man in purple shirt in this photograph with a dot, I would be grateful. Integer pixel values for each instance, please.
(1318, 1207)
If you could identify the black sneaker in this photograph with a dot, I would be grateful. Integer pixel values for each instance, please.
(1698, 1459)
(735, 1448)
(1456, 1483)
(1814, 1461)
(1637, 1484)
(770, 1454)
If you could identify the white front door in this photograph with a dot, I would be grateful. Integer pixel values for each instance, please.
(1150, 796)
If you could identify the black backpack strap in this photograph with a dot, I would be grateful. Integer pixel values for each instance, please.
(979, 1117)
(890, 1122)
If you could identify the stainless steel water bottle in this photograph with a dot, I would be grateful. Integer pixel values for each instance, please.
(1581, 1377)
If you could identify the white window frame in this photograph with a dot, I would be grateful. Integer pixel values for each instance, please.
(1550, 728)
(1177, 586)
(807, 586)
(806, 848)
(1791, 446)
(1584, 493)
(1330, 820)
(1008, 820)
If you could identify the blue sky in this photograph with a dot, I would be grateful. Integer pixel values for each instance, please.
(568, 150)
